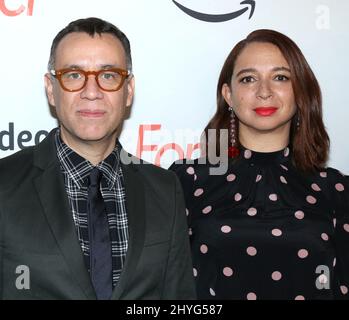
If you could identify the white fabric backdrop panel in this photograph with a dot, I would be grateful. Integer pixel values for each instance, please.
(177, 59)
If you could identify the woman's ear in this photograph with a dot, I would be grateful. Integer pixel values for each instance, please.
(226, 93)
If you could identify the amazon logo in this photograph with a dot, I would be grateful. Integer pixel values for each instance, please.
(247, 5)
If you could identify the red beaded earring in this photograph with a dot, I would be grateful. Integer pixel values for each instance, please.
(233, 150)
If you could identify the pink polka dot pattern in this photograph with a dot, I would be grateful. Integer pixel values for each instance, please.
(252, 212)
(251, 251)
(299, 215)
(334, 222)
(303, 253)
(251, 296)
(276, 275)
(276, 232)
(273, 197)
(226, 229)
(248, 154)
(187, 212)
(198, 192)
(311, 199)
(238, 197)
(283, 180)
(203, 248)
(195, 177)
(207, 210)
(324, 236)
(286, 152)
(344, 289)
(228, 272)
(315, 187)
(259, 225)
(190, 170)
(339, 187)
(231, 177)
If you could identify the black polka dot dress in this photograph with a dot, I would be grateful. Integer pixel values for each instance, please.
(263, 230)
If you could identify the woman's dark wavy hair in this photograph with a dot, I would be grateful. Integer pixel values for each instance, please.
(309, 142)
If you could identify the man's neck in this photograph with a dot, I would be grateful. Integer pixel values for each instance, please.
(93, 151)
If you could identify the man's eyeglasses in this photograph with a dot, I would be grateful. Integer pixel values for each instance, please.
(73, 80)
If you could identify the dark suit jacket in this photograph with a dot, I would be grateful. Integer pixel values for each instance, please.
(37, 231)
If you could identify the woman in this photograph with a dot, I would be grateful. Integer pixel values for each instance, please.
(276, 224)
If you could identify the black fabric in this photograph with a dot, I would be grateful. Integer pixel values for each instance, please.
(264, 230)
(100, 244)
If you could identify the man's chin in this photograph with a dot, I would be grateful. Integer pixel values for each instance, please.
(94, 137)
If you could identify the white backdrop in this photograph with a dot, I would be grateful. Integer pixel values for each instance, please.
(177, 60)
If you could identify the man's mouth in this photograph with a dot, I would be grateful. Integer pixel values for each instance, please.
(91, 113)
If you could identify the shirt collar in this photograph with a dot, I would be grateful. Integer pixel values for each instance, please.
(78, 169)
(279, 156)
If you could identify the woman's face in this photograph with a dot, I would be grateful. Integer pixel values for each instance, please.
(260, 91)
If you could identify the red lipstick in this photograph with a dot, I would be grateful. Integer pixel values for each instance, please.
(265, 111)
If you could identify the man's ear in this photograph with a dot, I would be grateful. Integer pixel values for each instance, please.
(130, 90)
(49, 89)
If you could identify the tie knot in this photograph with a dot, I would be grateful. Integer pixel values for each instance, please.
(95, 177)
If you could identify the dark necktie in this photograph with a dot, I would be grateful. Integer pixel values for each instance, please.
(99, 238)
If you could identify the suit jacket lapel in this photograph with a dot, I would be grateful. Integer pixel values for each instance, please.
(51, 191)
(135, 204)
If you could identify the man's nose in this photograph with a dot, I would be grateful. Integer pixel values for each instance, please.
(91, 90)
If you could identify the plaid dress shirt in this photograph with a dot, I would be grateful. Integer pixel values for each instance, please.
(76, 171)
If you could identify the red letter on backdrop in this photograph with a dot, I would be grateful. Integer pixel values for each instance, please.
(30, 7)
(191, 148)
(140, 146)
(20, 10)
(169, 146)
(10, 13)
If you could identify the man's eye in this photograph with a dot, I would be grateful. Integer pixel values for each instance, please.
(73, 75)
(109, 75)
(247, 79)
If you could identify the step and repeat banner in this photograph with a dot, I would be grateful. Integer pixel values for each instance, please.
(178, 49)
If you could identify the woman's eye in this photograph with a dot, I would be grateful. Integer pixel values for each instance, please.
(281, 77)
(247, 79)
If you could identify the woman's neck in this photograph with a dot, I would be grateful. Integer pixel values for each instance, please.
(264, 140)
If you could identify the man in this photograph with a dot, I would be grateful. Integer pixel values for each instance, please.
(78, 219)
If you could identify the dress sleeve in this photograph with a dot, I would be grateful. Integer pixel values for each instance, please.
(339, 185)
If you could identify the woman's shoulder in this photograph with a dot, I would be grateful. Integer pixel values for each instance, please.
(189, 165)
(333, 183)
(331, 176)
(190, 172)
